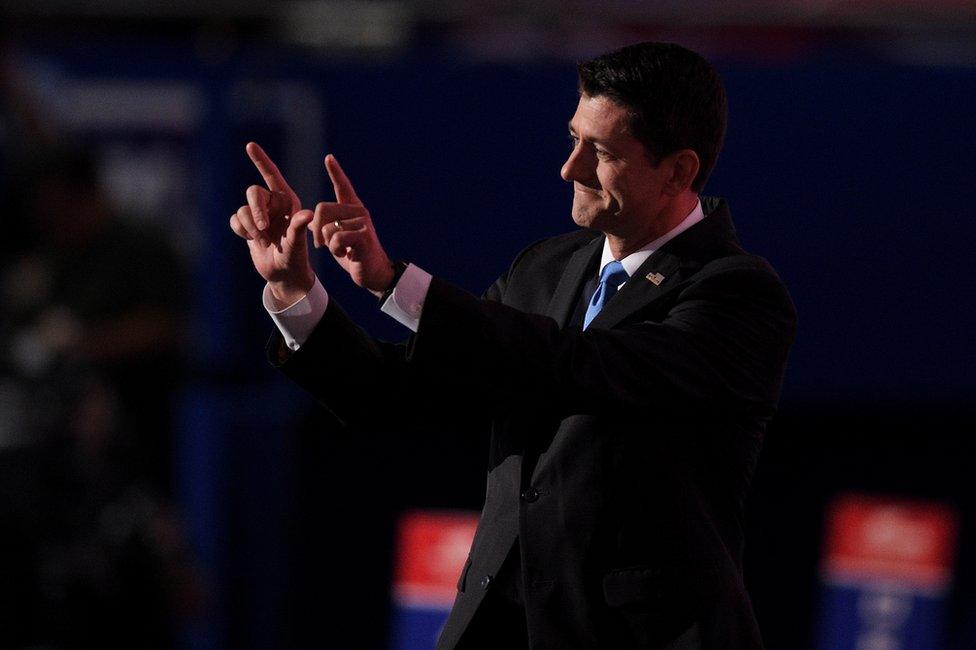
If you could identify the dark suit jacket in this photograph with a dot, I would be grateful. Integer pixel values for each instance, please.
(620, 456)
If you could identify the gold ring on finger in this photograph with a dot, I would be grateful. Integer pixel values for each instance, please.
(338, 224)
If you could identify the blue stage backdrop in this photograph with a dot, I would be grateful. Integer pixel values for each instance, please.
(849, 172)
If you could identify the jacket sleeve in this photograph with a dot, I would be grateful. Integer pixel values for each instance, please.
(723, 345)
(365, 382)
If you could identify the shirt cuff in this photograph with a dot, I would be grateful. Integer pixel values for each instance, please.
(406, 303)
(297, 321)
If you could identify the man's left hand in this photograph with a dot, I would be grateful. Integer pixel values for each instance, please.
(345, 227)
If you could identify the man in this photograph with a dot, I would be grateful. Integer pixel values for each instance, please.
(628, 368)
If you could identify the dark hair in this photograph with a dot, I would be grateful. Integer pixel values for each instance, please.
(675, 97)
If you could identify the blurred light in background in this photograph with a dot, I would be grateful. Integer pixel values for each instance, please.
(887, 571)
(431, 550)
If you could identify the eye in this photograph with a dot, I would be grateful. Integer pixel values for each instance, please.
(603, 154)
(573, 140)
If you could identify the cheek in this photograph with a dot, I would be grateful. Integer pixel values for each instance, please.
(610, 182)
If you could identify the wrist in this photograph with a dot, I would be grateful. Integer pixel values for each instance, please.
(396, 271)
(285, 293)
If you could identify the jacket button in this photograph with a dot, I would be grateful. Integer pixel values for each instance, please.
(530, 494)
(486, 582)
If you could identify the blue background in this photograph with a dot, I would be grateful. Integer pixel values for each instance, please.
(849, 171)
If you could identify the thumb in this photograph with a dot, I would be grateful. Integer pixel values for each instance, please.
(298, 222)
(340, 182)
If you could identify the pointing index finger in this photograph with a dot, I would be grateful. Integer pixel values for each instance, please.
(269, 171)
(340, 182)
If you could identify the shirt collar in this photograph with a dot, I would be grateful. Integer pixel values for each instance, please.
(633, 261)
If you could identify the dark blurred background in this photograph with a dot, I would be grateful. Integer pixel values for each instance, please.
(161, 486)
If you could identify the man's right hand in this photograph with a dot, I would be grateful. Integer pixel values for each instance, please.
(274, 225)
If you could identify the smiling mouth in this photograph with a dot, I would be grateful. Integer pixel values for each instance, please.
(586, 190)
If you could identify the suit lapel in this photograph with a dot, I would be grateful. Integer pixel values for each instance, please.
(657, 274)
(574, 275)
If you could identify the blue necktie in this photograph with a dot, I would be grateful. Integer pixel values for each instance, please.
(612, 276)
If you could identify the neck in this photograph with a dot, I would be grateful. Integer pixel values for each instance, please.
(623, 244)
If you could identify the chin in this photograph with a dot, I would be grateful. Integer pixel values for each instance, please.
(583, 220)
(586, 216)
(597, 220)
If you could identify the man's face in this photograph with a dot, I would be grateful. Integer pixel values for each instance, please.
(616, 188)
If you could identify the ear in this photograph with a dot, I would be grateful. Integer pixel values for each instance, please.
(684, 166)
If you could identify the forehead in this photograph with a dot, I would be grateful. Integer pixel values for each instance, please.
(599, 117)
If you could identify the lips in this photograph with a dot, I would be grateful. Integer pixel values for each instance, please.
(586, 190)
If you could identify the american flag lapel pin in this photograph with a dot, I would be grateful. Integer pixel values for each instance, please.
(655, 278)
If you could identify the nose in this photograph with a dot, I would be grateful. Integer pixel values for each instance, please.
(574, 167)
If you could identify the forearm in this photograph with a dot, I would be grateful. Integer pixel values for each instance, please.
(346, 370)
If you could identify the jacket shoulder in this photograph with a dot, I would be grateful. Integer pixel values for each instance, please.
(554, 247)
(741, 265)
(744, 276)
(542, 258)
